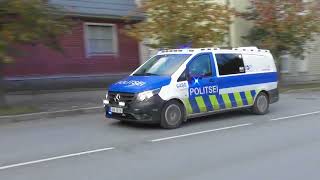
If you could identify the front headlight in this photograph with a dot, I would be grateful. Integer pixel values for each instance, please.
(107, 95)
(147, 94)
(106, 101)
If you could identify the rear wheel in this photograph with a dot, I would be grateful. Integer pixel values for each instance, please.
(172, 115)
(261, 104)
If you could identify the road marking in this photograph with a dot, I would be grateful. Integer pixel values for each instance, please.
(155, 140)
(201, 132)
(303, 89)
(294, 116)
(55, 158)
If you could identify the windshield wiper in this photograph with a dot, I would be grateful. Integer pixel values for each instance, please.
(146, 74)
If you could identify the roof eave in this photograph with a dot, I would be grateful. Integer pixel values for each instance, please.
(105, 16)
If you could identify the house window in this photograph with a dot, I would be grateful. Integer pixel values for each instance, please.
(229, 64)
(302, 65)
(101, 39)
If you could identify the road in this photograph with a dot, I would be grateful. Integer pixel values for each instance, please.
(284, 144)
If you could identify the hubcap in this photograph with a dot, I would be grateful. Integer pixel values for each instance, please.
(173, 114)
(262, 103)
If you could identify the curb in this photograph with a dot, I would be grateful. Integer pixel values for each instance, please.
(53, 114)
(302, 90)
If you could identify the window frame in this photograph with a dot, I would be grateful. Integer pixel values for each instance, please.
(217, 66)
(114, 39)
(211, 58)
(303, 65)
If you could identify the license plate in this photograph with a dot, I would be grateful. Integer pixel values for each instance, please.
(116, 110)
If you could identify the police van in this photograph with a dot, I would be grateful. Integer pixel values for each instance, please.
(179, 84)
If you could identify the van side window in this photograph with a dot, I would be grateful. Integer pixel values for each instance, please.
(200, 66)
(230, 64)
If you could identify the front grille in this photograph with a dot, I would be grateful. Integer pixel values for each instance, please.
(124, 116)
(124, 97)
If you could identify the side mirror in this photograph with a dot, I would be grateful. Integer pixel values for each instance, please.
(192, 77)
(189, 76)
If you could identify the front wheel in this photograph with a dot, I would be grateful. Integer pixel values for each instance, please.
(172, 115)
(261, 104)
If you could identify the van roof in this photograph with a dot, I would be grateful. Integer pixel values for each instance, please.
(213, 49)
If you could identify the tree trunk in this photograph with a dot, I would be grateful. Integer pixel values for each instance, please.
(3, 102)
(278, 60)
(281, 75)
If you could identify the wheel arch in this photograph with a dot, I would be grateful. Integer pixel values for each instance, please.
(164, 123)
(180, 102)
(262, 91)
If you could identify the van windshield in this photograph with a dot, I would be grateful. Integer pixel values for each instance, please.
(162, 65)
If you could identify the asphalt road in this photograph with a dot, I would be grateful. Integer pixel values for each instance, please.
(284, 144)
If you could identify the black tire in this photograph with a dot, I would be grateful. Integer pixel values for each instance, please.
(172, 115)
(261, 104)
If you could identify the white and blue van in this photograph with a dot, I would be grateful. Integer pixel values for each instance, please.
(179, 84)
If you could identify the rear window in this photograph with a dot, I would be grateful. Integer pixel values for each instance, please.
(230, 64)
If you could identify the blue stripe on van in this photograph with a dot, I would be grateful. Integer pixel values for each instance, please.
(253, 93)
(194, 105)
(207, 102)
(244, 99)
(221, 102)
(233, 100)
(247, 79)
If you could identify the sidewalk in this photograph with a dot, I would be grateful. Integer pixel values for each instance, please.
(53, 104)
(55, 101)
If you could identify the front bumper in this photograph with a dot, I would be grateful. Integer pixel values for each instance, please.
(274, 95)
(148, 111)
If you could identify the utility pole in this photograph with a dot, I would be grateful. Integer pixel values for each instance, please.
(230, 28)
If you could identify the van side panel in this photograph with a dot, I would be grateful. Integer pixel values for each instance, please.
(258, 63)
(242, 89)
(234, 91)
(263, 63)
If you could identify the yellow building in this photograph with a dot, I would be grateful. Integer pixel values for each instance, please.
(293, 70)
